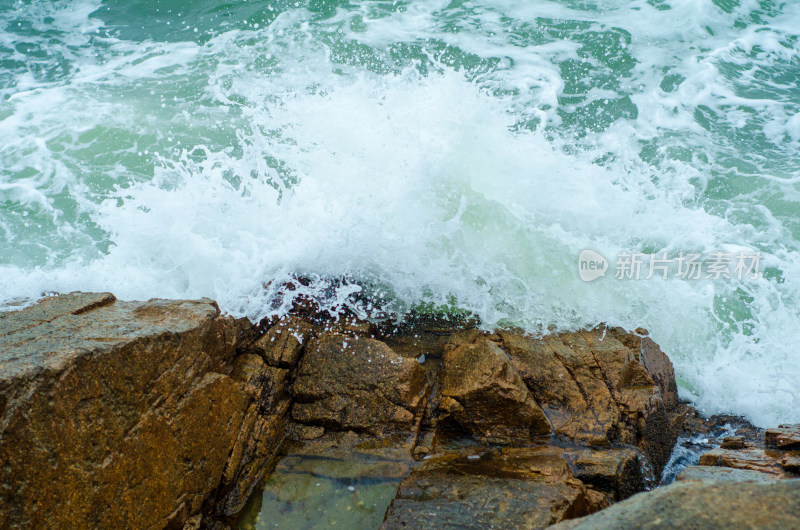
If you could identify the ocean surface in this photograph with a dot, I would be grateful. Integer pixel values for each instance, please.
(439, 155)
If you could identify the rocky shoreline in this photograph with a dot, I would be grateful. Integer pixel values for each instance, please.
(167, 414)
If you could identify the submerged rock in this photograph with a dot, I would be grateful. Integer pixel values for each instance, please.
(344, 480)
(507, 488)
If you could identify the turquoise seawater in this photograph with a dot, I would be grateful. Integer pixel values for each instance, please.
(437, 153)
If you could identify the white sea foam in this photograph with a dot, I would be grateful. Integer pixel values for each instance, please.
(185, 169)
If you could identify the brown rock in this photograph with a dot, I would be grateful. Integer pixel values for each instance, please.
(642, 381)
(702, 504)
(418, 342)
(597, 499)
(425, 443)
(784, 437)
(790, 462)
(650, 358)
(718, 424)
(114, 414)
(308, 432)
(577, 356)
(602, 387)
(281, 345)
(617, 472)
(261, 432)
(130, 414)
(556, 390)
(423, 335)
(512, 488)
(351, 383)
(733, 442)
(350, 326)
(483, 393)
(752, 458)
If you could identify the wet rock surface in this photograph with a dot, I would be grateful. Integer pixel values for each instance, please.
(783, 437)
(260, 434)
(483, 394)
(619, 472)
(494, 429)
(602, 387)
(729, 448)
(502, 488)
(355, 383)
(116, 414)
(700, 435)
(341, 479)
(167, 414)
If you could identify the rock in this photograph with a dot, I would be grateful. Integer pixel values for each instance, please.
(309, 432)
(423, 335)
(773, 454)
(733, 442)
(723, 474)
(602, 387)
(784, 437)
(350, 326)
(130, 414)
(261, 432)
(557, 390)
(414, 343)
(752, 458)
(791, 463)
(360, 384)
(766, 452)
(281, 345)
(617, 472)
(194, 523)
(483, 393)
(701, 435)
(425, 443)
(166, 414)
(702, 504)
(719, 426)
(509, 488)
(107, 407)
